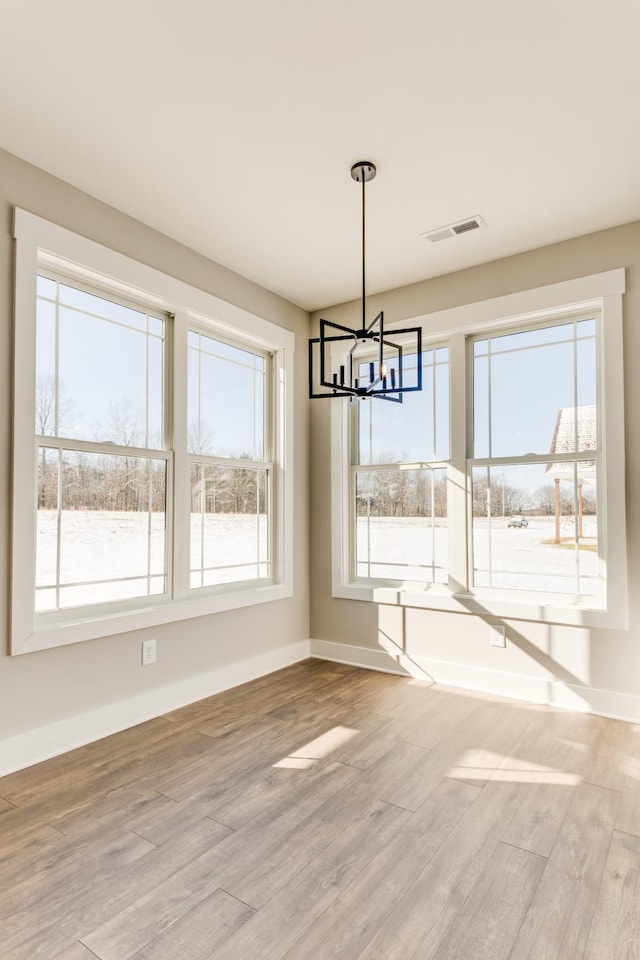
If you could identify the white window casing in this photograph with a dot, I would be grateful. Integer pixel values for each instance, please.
(600, 295)
(42, 246)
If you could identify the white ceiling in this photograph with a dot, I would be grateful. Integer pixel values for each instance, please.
(231, 125)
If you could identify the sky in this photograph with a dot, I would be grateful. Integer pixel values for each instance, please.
(520, 382)
(110, 377)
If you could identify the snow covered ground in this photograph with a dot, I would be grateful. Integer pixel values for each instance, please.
(127, 550)
(518, 558)
(116, 555)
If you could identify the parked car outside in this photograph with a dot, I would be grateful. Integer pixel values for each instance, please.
(518, 522)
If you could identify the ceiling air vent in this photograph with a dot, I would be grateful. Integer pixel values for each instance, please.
(454, 229)
(465, 227)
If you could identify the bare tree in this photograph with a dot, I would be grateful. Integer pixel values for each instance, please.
(124, 425)
(46, 403)
(199, 438)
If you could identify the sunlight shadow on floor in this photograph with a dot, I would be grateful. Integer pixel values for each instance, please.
(496, 767)
(309, 754)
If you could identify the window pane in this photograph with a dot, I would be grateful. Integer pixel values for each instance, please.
(401, 525)
(103, 369)
(126, 589)
(155, 392)
(527, 387)
(46, 288)
(88, 303)
(225, 400)
(99, 373)
(535, 527)
(532, 338)
(587, 328)
(46, 399)
(106, 539)
(416, 429)
(481, 406)
(156, 326)
(586, 388)
(229, 525)
(47, 528)
(576, 429)
(441, 402)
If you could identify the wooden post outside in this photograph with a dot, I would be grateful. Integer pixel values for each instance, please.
(580, 534)
(557, 483)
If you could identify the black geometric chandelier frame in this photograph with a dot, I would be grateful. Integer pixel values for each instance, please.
(375, 363)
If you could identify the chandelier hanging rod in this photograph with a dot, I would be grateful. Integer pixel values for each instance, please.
(362, 172)
(374, 366)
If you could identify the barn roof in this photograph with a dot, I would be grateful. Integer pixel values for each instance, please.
(576, 429)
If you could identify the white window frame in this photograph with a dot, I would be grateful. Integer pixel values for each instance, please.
(266, 464)
(61, 443)
(40, 243)
(599, 292)
(371, 468)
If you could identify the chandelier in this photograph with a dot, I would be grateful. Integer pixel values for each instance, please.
(365, 362)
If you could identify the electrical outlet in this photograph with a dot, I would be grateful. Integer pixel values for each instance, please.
(497, 635)
(148, 652)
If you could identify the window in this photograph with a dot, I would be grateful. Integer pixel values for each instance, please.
(102, 460)
(155, 421)
(535, 394)
(499, 488)
(230, 479)
(399, 480)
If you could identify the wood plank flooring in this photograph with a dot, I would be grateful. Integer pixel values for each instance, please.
(331, 813)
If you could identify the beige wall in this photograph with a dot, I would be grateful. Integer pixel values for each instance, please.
(457, 645)
(41, 688)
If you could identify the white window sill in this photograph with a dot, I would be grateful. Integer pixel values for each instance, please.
(540, 608)
(90, 622)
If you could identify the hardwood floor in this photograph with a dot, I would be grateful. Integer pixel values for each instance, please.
(329, 812)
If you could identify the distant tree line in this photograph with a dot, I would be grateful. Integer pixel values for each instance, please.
(402, 493)
(423, 493)
(100, 481)
(217, 489)
(505, 500)
(91, 481)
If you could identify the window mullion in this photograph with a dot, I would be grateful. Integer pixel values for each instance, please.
(230, 462)
(59, 527)
(533, 458)
(98, 446)
(457, 484)
(271, 435)
(56, 363)
(181, 467)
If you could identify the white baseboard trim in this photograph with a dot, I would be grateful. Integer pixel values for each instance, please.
(556, 693)
(42, 743)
